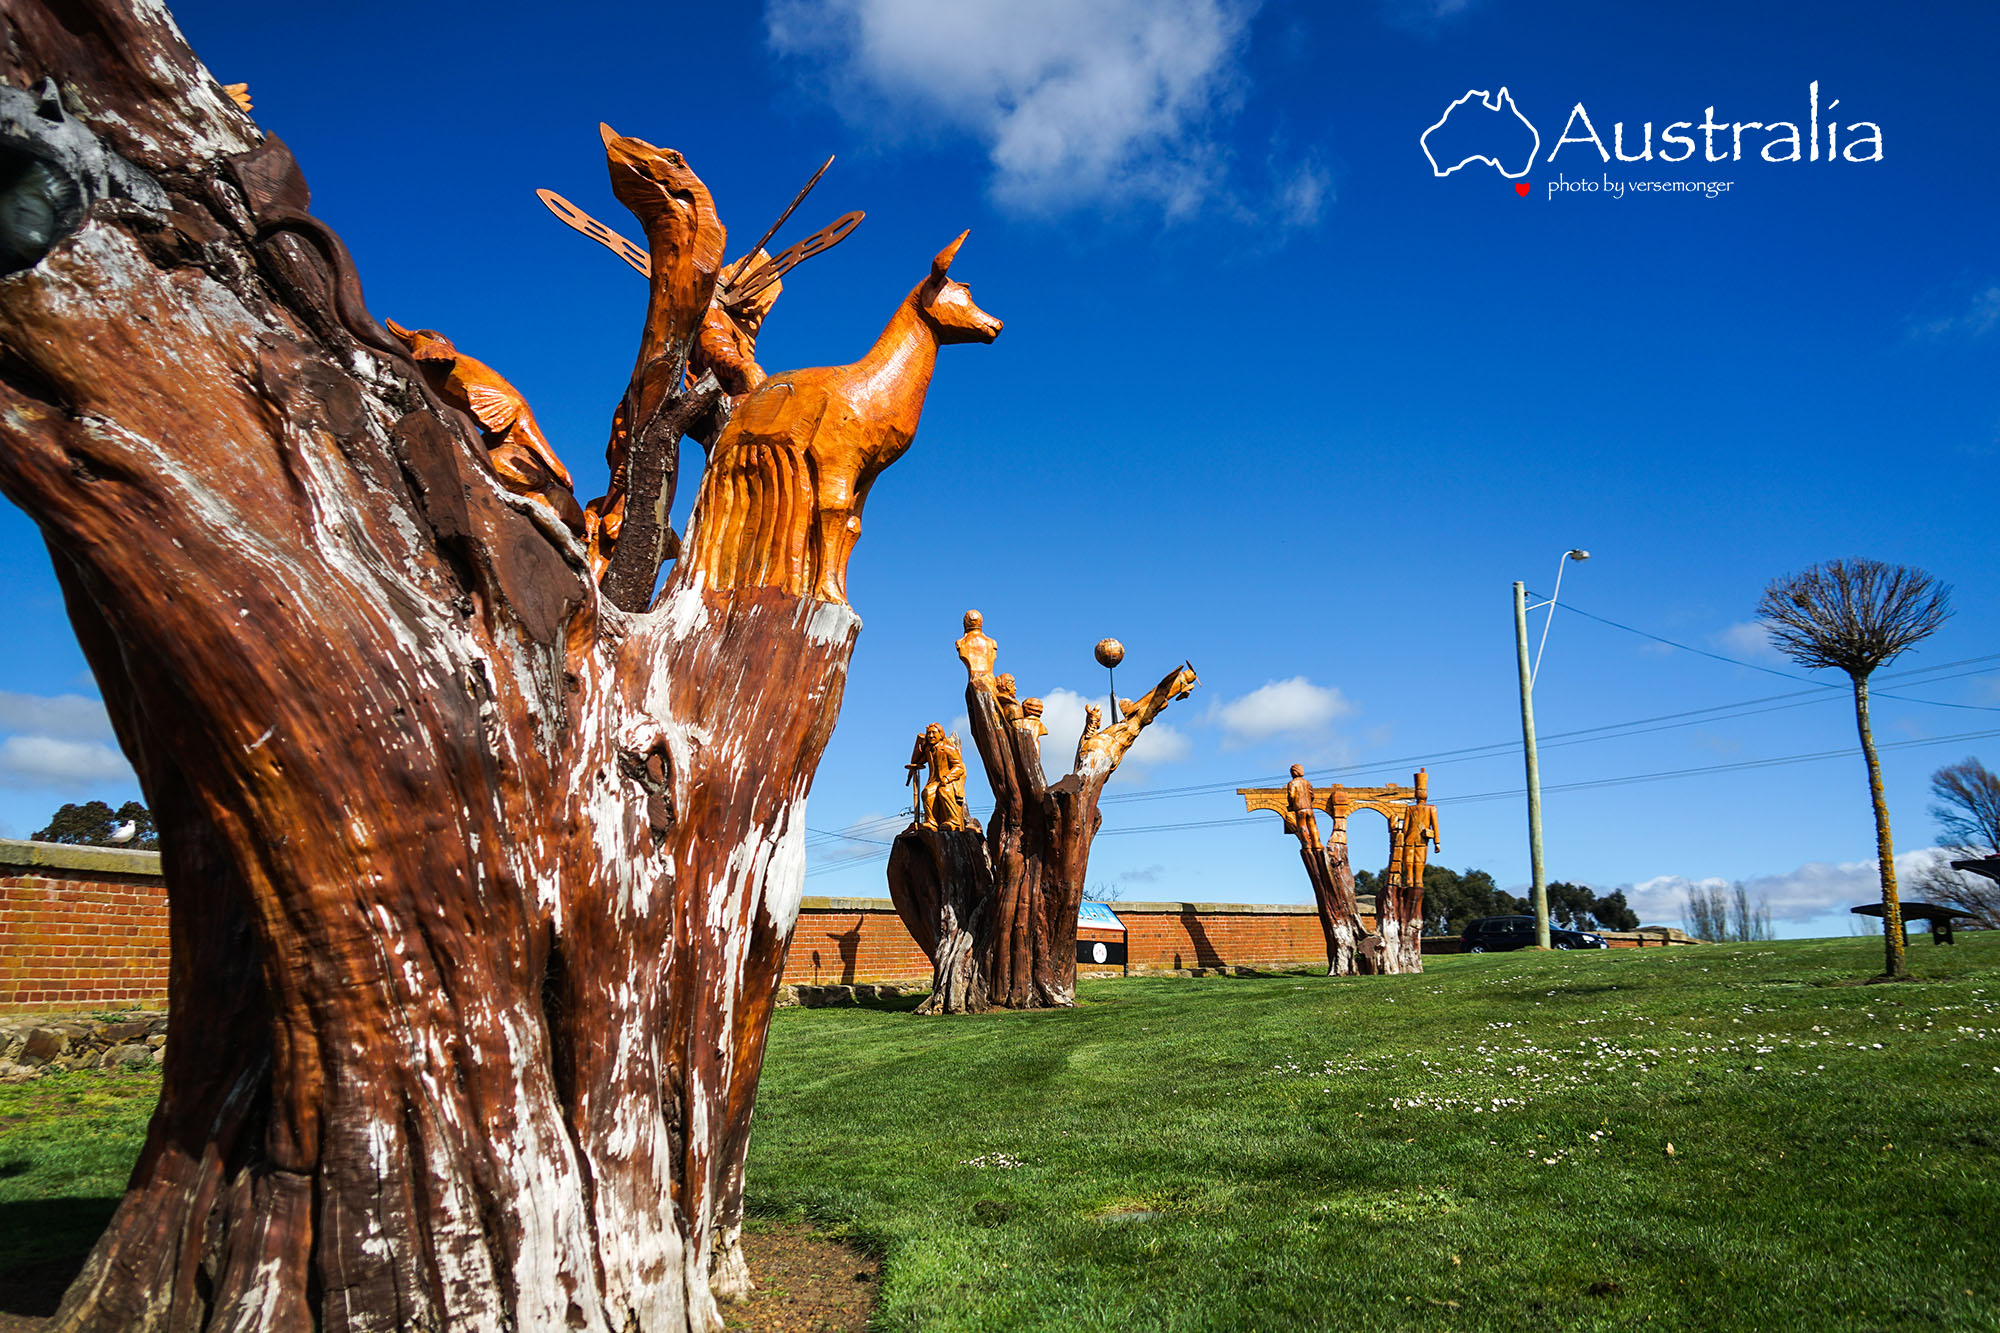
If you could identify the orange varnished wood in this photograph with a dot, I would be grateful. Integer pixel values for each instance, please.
(780, 502)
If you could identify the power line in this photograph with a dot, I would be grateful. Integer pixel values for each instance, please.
(1703, 652)
(821, 838)
(1605, 731)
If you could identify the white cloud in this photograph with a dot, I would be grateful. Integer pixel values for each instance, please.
(1062, 713)
(68, 716)
(1303, 194)
(1294, 708)
(1428, 17)
(59, 741)
(1980, 316)
(1815, 888)
(1749, 640)
(1076, 102)
(47, 761)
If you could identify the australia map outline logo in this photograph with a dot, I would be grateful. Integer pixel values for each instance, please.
(1469, 129)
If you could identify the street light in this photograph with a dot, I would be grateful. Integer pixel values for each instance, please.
(1528, 673)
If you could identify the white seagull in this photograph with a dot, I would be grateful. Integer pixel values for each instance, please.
(125, 832)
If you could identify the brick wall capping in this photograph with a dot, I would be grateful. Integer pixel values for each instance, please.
(18, 853)
(1367, 902)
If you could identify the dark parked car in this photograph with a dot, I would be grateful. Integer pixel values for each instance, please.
(1496, 934)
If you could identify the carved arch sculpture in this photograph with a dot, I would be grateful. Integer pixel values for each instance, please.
(995, 909)
(1397, 942)
(480, 868)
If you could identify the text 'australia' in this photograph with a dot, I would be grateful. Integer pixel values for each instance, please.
(1723, 141)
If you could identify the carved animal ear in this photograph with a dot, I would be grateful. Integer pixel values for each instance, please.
(606, 133)
(942, 263)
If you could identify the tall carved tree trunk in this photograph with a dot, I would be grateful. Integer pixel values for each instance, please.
(1000, 926)
(1350, 949)
(1399, 922)
(480, 886)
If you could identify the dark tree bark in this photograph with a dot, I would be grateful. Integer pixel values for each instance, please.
(1350, 949)
(1012, 944)
(1399, 922)
(480, 885)
(942, 885)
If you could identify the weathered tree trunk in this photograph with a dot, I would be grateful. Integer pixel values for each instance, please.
(1399, 921)
(1350, 949)
(1013, 902)
(942, 886)
(480, 886)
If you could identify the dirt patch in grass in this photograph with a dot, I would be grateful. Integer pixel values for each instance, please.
(806, 1283)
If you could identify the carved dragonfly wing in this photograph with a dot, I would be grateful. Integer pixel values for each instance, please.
(737, 293)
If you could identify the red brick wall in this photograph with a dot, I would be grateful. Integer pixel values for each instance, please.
(844, 940)
(75, 935)
(86, 928)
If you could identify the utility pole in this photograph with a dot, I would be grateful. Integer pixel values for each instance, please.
(1541, 889)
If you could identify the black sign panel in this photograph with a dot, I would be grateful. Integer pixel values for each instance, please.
(1101, 953)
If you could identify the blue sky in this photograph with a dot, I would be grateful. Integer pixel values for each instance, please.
(1272, 396)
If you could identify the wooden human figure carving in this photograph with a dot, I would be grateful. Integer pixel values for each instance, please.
(1003, 690)
(800, 452)
(977, 651)
(1413, 835)
(941, 802)
(1304, 814)
(519, 454)
(1396, 945)
(1000, 925)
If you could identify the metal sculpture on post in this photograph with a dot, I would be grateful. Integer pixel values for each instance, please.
(997, 914)
(482, 858)
(1397, 942)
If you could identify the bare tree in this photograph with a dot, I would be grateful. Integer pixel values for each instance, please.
(1967, 811)
(1727, 915)
(1856, 615)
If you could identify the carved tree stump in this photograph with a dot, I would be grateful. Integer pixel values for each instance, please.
(1350, 949)
(942, 886)
(1013, 905)
(480, 885)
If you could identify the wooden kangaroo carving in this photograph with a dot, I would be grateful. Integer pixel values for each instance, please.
(780, 502)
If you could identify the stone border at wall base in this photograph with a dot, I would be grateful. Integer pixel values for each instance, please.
(54, 1043)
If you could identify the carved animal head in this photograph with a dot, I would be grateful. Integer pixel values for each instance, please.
(649, 180)
(425, 344)
(947, 306)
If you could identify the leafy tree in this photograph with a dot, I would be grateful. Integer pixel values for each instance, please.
(1856, 615)
(92, 823)
(1614, 913)
(1967, 811)
(1453, 899)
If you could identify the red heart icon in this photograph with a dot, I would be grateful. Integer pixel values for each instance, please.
(1521, 188)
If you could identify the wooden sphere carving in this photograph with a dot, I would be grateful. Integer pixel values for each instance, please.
(1110, 652)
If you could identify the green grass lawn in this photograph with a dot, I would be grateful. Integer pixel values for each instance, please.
(1480, 1147)
(1484, 1146)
